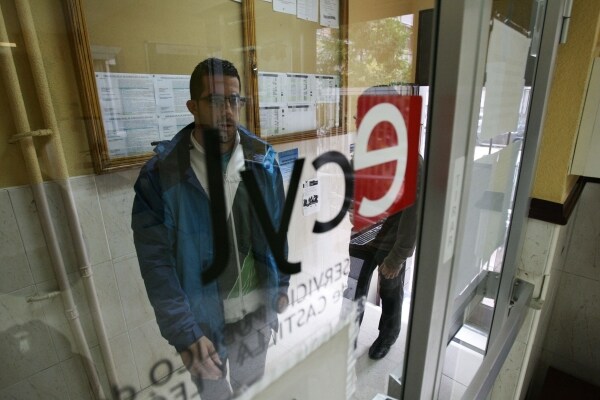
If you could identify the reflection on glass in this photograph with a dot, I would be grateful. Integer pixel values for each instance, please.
(497, 150)
(389, 61)
(213, 253)
(190, 282)
(213, 282)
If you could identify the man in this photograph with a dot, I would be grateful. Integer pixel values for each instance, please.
(388, 251)
(227, 319)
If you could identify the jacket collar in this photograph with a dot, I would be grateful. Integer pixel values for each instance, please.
(174, 156)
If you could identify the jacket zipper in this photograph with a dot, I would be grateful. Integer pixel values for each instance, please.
(235, 243)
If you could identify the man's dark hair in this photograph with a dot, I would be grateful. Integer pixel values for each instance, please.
(210, 67)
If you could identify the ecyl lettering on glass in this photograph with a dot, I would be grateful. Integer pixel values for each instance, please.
(403, 153)
(327, 277)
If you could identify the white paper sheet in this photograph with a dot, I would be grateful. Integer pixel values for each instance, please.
(271, 89)
(502, 181)
(311, 194)
(308, 10)
(327, 88)
(172, 92)
(126, 94)
(138, 109)
(330, 13)
(299, 88)
(117, 145)
(286, 163)
(297, 102)
(299, 117)
(170, 124)
(131, 135)
(271, 120)
(505, 80)
(285, 6)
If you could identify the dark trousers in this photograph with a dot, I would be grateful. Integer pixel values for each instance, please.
(247, 342)
(391, 291)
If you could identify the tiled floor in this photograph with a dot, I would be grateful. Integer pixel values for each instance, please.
(372, 376)
(460, 364)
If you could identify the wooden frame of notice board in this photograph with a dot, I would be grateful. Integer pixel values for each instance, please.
(120, 138)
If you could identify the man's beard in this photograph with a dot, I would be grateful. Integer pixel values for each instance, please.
(226, 130)
(227, 133)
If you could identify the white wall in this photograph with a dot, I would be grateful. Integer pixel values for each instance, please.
(36, 335)
(562, 328)
(540, 263)
(572, 342)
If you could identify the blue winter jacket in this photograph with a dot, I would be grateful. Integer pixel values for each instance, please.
(171, 223)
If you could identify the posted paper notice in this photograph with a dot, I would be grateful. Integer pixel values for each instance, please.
(311, 194)
(287, 159)
(330, 13)
(308, 10)
(505, 80)
(285, 6)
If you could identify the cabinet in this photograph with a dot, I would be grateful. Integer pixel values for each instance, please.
(586, 159)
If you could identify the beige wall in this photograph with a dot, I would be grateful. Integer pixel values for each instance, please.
(49, 19)
(126, 26)
(155, 38)
(552, 179)
(572, 342)
(186, 33)
(285, 43)
(573, 64)
(211, 27)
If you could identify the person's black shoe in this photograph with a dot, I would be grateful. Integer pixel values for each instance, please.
(380, 347)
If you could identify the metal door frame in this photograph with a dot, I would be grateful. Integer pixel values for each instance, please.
(458, 62)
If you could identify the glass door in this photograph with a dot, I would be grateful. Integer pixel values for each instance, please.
(491, 69)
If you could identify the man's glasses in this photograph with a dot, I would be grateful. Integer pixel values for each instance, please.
(218, 101)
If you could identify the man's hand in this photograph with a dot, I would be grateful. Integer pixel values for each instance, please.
(282, 303)
(202, 360)
(388, 272)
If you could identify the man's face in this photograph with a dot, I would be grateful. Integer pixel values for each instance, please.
(215, 107)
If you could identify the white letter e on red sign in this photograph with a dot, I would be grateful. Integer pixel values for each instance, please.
(386, 156)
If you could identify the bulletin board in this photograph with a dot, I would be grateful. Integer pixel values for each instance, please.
(301, 69)
(134, 63)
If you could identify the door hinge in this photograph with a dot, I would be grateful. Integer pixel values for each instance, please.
(566, 20)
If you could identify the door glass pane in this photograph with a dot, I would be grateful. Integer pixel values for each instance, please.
(210, 243)
(386, 47)
(230, 254)
(496, 146)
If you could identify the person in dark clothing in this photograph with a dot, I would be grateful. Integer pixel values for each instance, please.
(388, 252)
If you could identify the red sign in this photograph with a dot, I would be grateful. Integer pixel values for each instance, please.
(386, 155)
